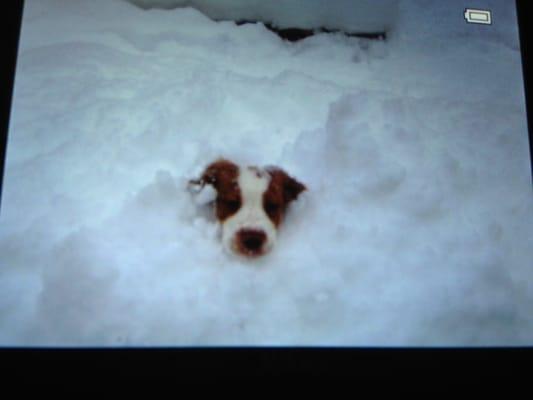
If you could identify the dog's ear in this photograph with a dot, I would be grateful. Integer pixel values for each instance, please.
(290, 186)
(219, 172)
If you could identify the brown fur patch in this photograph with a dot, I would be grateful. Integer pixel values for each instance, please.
(223, 175)
(280, 192)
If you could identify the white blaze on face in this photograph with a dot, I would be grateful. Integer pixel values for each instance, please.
(253, 183)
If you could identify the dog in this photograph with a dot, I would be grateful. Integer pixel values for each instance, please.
(250, 204)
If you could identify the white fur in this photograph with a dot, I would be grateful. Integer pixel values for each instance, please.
(253, 182)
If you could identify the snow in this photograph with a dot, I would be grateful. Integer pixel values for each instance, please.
(416, 229)
(203, 195)
(333, 14)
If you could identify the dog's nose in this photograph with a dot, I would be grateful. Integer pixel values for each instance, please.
(250, 242)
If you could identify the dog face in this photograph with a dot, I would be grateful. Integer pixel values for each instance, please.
(250, 204)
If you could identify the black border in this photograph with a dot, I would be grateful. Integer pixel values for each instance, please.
(10, 19)
(526, 48)
(406, 366)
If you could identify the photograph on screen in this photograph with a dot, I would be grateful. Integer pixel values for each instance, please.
(287, 173)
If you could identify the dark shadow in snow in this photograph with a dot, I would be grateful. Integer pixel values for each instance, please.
(295, 34)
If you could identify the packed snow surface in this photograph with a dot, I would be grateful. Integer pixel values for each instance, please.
(417, 228)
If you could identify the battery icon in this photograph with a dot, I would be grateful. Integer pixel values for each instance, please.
(474, 16)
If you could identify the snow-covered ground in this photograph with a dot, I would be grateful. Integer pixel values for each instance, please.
(417, 228)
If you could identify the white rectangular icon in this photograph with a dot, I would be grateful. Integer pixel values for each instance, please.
(474, 16)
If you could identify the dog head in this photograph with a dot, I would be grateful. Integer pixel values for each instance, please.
(250, 204)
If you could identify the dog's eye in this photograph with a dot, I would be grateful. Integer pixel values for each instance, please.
(232, 205)
(271, 208)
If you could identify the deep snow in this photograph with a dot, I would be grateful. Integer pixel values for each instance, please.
(417, 228)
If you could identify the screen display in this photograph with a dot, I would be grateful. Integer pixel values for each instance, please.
(197, 173)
